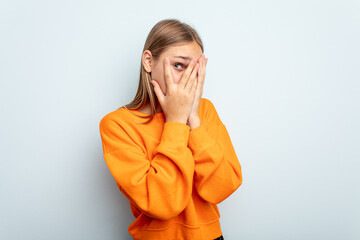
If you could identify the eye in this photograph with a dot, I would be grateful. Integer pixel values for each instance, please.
(178, 64)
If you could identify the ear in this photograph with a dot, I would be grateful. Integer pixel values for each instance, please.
(147, 60)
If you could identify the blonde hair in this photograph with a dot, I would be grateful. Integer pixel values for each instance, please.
(163, 35)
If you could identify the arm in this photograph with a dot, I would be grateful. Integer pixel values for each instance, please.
(161, 187)
(217, 169)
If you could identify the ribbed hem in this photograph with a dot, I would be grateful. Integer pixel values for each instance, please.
(178, 231)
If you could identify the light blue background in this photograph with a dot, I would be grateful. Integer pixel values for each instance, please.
(283, 75)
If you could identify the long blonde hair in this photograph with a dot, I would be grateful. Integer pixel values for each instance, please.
(163, 35)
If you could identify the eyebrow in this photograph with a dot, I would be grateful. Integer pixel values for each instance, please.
(185, 58)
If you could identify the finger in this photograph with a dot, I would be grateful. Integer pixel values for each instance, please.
(192, 77)
(194, 87)
(204, 67)
(168, 75)
(185, 76)
(200, 74)
(201, 79)
(202, 64)
(158, 92)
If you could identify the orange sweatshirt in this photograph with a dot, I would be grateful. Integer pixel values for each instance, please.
(172, 177)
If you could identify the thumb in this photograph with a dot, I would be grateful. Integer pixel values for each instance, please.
(158, 92)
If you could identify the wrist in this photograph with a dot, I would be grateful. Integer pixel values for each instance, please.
(193, 118)
(194, 122)
(176, 120)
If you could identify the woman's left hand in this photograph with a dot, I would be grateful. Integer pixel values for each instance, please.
(194, 120)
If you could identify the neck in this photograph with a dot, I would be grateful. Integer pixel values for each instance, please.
(147, 108)
(158, 108)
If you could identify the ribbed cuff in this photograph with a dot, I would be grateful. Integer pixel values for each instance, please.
(200, 139)
(175, 133)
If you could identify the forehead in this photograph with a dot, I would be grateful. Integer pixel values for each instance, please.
(190, 50)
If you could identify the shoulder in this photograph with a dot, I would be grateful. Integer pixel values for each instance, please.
(206, 104)
(207, 112)
(117, 117)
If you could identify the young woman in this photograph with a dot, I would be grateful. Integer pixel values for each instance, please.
(179, 163)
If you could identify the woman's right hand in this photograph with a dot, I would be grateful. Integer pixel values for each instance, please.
(179, 98)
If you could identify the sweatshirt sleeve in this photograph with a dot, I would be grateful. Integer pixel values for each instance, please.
(161, 187)
(217, 168)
